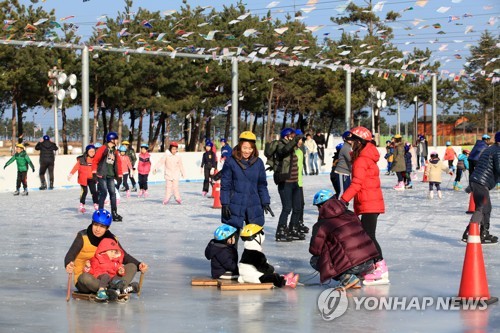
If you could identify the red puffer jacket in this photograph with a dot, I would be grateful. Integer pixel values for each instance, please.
(84, 167)
(365, 184)
(339, 240)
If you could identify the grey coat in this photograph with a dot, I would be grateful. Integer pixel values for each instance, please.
(344, 166)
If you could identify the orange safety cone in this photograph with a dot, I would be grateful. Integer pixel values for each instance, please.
(216, 195)
(474, 284)
(472, 205)
(424, 177)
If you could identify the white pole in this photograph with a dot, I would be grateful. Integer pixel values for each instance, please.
(234, 102)
(434, 111)
(85, 97)
(56, 129)
(347, 100)
(398, 126)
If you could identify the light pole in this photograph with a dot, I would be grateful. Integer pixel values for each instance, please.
(381, 103)
(372, 90)
(57, 78)
(415, 100)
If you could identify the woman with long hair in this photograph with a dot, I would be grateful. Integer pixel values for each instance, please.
(367, 194)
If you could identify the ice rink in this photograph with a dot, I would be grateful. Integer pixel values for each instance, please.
(420, 239)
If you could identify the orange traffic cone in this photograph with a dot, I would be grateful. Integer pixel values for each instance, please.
(216, 195)
(472, 205)
(424, 177)
(474, 284)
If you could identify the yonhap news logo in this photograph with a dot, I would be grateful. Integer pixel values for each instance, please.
(333, 303)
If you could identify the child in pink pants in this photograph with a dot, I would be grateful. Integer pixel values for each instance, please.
(171, 163)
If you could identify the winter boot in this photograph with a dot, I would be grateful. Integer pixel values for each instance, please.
(440, 195)
(96, 206)
(400, 186)
(282, 235)
(348, 281)
(82, 208)
(51, 187)
(116, 217)
(16, 192)
(25, 192)
(379, 276)
(431, 194)
(291, 280)
(102, 295)
(295, 234)
(132, 288)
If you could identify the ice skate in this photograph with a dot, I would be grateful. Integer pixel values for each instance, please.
(400, 186)
(379, 276)
(25, 192)
(431, 195)
(16, 192)
(409, 186)
(487, 238)
(145, 193)
(348, 281)
(291, 280)
(128, 194)
(141, 192)
(204, 193)
(96, 206)
(282, 235)
(81, 209)
(179, 201)
(165, 202)
(440, 195)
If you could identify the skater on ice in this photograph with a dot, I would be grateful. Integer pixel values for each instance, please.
(22, 161)
(223, 254)
(173, 170)
(48, 151)
(127, 170)
(143, 169)
(86, 179)
(434, 171)
(208, 165)
(340, 247)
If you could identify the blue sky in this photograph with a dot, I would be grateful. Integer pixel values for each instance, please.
(424, 24)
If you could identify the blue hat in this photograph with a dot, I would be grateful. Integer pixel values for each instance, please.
(497, 136)
(223, 140)
(298, 132)
(145, 145)
(46, 137)
(486, 137)
(97, 145)
(209, 144)
(286, 131)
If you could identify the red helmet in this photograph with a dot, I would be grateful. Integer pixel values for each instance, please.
(174, 144)
(362, 132)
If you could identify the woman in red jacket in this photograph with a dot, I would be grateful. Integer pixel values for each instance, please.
(367, 194)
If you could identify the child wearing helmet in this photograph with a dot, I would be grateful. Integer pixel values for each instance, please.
(130, 152)
(85, 177)
(253, 265)
(171, 163)
(106, 263)
(335, 161)
(433, 172)
(462, 165)
(126, 168)
(450, 155)
(223, 253)
(409, 167)
(22, 161)
(143, 169)
(389, 155)
(208, 162)
(340, 247)
(343, 169)
(84, 247)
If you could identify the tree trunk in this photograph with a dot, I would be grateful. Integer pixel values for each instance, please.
(139, 130)
(226, 127)
(112, 110)
(485, 121)
(120, 123)
(151, 126)
(187, 143)
(96, 119)
(63, 131)
(104, 123)
(20, 128)
(160, 126)
(133, 117)
(263, 134)
(163, 135)
(254, 123)
(269, 111)
(273, 123)
(14, 134)
(207, 130)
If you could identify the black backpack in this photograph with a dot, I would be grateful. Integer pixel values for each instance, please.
(270, 149)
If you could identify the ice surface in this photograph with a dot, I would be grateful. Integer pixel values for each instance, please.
(420, 239)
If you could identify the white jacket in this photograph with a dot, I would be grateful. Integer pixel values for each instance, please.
(172, 166)
(311, 146)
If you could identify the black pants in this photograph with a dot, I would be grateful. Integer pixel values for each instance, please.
(458, 177)
(143, 182)
(92, 186)
(125, 179)
(482, 200)
(400, 176)
(22, 178)
(87, 283)
(369, 223)
(275, 278)
(472, 166)
(44, 165)
(291, 201)
(207, 180)
(321, 154)
(432, 184)
(107, 185)
(125, 183)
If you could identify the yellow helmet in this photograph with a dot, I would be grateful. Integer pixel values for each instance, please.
(248, 136)
(125, 142)
(20, 145)
(397, 136)
(250, 230)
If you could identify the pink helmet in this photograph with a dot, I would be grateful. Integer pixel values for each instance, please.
(362, 132)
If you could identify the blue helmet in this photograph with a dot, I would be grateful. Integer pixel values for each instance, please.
(102, 216)
(339, 146)
(223, 140)
(448, 143)
(145, 145)
(388, 141)
(286, 131)
(486, 137)
(209, 144)
(111, 136)
(298, 132)
(345, 135)
(97, 145)
(322, 196)
(224, 232)
(89, 147)
(46, 137)
(421, 137)
(407, 147)
(122, 148)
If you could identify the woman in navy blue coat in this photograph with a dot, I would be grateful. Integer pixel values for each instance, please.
(244, 195)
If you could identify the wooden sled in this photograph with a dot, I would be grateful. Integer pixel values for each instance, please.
(92, 297)
(204, 282)
(234, 285)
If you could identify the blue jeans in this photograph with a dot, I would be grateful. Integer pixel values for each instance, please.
(291, 201)
(313, 162)
(107, 185)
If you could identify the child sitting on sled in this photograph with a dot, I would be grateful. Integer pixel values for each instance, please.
(105, 265)
(254, 267)
(222, 253)
(341, 249)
